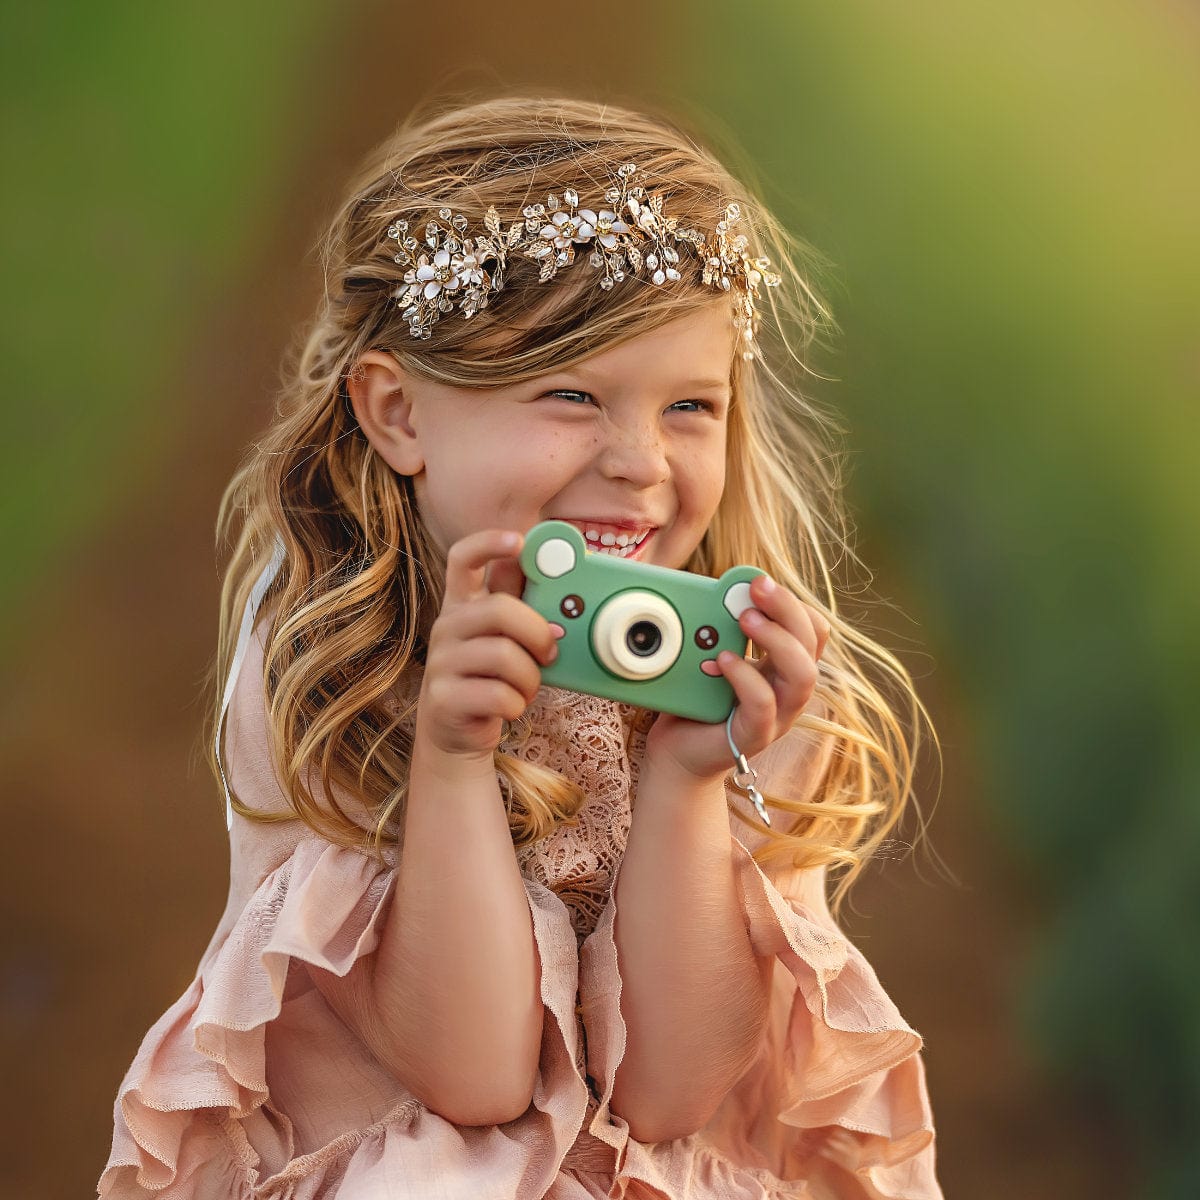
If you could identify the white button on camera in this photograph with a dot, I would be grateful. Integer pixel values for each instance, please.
(555, 558)
(737, 599)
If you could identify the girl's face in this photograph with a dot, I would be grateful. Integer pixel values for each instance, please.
(628, 445)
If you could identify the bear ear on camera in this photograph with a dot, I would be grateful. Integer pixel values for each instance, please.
(552, 549)
(735, 589)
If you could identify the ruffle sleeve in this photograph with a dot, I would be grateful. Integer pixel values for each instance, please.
(840, 1066)
(202, 1070)
(834, 1106)
(250, 1085)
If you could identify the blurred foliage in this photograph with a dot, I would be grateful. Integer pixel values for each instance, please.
(146, 139)
(1010, 194)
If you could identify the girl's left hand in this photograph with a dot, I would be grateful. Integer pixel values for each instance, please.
(771, 691)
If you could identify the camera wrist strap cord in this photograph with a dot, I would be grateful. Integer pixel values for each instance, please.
(745, 777)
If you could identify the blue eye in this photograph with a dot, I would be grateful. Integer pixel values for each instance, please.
(698, 405)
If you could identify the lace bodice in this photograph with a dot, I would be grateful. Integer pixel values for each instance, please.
(598, 744)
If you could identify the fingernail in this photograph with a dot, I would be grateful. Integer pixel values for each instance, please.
(767, 584)
(823, 631)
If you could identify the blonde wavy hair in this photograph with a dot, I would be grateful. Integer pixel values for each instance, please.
(362, 580)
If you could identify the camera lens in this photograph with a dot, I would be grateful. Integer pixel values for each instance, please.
(636, 634)
(643, 638)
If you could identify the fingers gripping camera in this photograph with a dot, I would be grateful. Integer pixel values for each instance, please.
(632, 631)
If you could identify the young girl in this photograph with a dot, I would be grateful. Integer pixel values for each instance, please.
(487, 938)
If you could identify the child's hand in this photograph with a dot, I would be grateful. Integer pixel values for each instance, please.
(771, 691)
(485, 647)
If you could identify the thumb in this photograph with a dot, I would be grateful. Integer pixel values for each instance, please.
(505, 575)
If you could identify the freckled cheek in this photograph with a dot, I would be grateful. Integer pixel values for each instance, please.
(533, 472)
(706, 484)
(558, 459)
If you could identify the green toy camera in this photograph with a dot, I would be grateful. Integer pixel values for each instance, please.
(635, 632)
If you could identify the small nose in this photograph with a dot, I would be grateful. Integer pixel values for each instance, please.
(636, 455)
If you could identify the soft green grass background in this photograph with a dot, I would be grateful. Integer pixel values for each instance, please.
(1009, 197)
(143, 142)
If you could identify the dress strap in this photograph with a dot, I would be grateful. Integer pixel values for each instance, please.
(257, 592)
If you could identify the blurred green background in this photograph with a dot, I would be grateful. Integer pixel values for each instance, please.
(1008, 196)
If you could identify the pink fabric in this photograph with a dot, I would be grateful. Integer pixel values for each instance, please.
(250, 1086)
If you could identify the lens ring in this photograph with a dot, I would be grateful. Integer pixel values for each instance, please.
(615, 623)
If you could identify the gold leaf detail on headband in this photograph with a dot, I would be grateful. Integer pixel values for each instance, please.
(631, 235)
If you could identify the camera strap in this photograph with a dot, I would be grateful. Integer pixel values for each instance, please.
(745, 777)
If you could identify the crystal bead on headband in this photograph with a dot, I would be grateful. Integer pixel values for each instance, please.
(627, 234)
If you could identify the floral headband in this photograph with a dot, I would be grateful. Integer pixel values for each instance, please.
(632, 236)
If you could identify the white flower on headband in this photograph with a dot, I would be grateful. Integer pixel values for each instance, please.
(604, 226)
(446, 273)
(632, 237)
(565, 229)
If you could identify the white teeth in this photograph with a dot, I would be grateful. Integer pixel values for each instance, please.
(621, 544)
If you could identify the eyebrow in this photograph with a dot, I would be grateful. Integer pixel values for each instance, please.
(705, 383)
(586, 375)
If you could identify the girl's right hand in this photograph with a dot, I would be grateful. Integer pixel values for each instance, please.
(485, 650)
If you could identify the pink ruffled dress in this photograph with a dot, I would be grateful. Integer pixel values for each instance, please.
(251, 1087)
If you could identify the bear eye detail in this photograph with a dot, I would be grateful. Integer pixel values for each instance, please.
(571, 606)
(706, 637)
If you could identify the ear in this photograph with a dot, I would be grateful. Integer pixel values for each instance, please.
(377, 389)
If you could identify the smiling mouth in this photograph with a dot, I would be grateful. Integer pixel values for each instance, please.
(615, 545)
